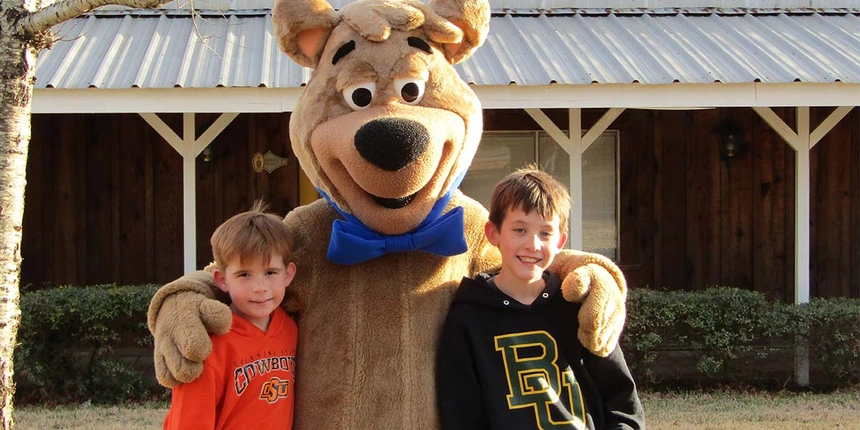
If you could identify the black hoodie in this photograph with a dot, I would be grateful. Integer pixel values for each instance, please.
(505, 365)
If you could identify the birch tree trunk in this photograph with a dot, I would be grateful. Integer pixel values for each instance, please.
(24, 28)
(17, 72)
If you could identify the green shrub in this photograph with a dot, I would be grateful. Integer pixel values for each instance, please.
(650, 318)
(831, 328)
(722, 325)
(724, 330)
(68, 334)
(66, 339)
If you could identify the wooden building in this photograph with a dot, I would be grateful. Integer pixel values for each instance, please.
(133, 164)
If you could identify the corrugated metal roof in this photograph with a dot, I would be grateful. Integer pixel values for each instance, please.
(550, 4)
(165, 49)
(149, 50)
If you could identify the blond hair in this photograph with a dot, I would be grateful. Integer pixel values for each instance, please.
(249, 236)
(530, 189)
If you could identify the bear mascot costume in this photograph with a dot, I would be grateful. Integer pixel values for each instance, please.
(386, 130)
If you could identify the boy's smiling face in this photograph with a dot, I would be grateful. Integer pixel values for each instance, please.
(256, 287)
(528, 243)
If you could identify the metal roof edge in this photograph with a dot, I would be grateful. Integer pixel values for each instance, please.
(177, 13)
(185, 13)
(687, 11)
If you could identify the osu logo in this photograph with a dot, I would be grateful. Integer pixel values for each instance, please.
(275, 389)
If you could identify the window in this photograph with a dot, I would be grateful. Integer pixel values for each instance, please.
(503, 152)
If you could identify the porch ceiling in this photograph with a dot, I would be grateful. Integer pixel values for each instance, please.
(159, 61)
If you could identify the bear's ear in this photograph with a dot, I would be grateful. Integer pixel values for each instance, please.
(302, 28)
(473, 18)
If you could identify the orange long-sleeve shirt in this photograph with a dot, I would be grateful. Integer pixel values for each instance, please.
(247, 381)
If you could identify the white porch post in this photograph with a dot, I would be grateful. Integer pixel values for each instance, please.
(802, 142)
(577, 147)
(189, 214)
(801, 234)
(189, 146)
(189, 193)
(801, 208)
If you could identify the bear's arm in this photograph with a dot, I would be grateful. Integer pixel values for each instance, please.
(599, 285)
(181, 315)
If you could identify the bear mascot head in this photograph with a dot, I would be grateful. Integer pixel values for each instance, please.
(385, 129)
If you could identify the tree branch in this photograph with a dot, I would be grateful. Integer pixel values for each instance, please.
(64, 10)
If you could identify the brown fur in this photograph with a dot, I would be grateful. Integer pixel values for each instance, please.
(368, 332)
(323, 125)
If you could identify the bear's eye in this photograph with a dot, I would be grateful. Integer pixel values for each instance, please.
(359, 96)
(410, 90)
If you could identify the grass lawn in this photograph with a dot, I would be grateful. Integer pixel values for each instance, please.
(705, 410)
(753, 411)
(126, 417)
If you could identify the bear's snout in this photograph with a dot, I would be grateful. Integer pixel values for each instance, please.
(391, 143)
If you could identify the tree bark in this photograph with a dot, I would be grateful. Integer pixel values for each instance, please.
(17, 73)
(23, 34)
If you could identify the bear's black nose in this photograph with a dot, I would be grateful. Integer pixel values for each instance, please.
(391, 143)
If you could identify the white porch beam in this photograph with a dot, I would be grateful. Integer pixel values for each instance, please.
(189, 146)
(213, 100)
(828, 124)
(778, 125)
(667, 95)
(164, 131)
(600, 126)
(214, 130)
(552, 130)
(166, 100)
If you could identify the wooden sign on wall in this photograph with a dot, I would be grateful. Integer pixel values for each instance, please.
(268, 162)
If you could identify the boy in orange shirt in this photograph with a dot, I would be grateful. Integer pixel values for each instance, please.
(248, 380)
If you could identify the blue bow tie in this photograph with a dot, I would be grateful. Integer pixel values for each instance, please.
(353, 243)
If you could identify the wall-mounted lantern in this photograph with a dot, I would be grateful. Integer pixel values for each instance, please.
(207, 154)
(731, 137)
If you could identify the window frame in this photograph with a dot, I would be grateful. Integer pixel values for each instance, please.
(536, 138)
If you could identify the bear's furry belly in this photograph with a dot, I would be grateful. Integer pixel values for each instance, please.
(368, 334)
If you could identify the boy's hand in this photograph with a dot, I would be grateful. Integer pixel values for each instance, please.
(599, 284)
(181, 316)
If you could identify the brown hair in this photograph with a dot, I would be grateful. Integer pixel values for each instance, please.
(530, 189)
(251, 235)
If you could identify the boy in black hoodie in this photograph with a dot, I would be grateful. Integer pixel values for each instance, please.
(509, 357)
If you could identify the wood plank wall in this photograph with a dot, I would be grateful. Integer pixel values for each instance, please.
(230, 184)
(104, 195)
(835, 216)
(689, 220)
